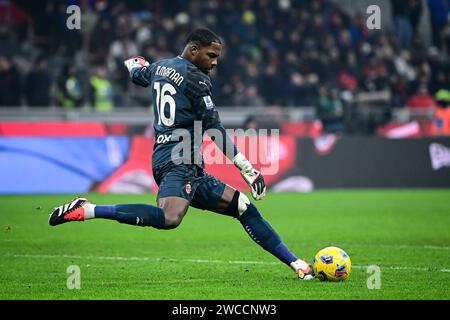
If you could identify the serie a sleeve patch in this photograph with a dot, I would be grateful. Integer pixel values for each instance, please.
(208, 102)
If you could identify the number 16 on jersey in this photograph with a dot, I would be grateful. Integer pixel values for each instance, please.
(164, 97)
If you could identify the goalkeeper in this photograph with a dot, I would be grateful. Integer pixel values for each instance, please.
(181, 96)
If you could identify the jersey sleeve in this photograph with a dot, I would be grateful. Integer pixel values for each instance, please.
(142, 76)
(198, 90)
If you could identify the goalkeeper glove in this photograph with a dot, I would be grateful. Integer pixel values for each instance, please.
(252, 176)
(135, 62)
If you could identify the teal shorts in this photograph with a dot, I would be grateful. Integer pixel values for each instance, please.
(189, 182)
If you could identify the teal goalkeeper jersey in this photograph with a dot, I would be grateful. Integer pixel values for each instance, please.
(182, 104)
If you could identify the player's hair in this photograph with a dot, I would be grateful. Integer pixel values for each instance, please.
(203, 37)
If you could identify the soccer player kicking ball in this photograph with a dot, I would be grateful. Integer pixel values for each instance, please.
(181, 96)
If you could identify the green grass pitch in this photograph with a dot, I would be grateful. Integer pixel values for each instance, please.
(404, 232)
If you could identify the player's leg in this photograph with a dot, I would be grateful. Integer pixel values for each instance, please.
(175, 208)
(167, 215)
(173, 203)
(215, 196)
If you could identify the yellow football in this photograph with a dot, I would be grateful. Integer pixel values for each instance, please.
(332, 264)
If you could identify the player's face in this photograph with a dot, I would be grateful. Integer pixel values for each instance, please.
(206, 57)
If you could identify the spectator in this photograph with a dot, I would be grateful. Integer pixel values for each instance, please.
(422, 99)
(406, 16)
(375, 74)
(249, 96)
(446, 36)
(38, 84)
(45, 26)
(100, 39)
(120, 50)
(301, 90)
(439, 12)
(271, 85)
(349, 76)
(330, 110)
(10, 86)
(14, 23)
(70, 88)
(101, 98)
(442, 116)
(414, 14)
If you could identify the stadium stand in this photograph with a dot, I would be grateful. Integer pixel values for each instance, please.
(284, 54)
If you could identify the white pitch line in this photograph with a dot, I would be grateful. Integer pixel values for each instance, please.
(399, 246)
(436, 248)
(402, 268)
(67, 256)
(118, 258)
(394, 246)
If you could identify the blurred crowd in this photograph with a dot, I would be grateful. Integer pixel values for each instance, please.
(279, 52)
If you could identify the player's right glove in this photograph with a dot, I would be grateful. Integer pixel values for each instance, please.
(135, 62)
(252, 176)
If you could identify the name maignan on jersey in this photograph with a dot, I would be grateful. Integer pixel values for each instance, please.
(170, 73)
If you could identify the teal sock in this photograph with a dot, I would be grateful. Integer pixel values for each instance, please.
(263, 234)
(135, 214)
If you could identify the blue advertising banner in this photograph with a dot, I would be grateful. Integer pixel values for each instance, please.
(58, 165)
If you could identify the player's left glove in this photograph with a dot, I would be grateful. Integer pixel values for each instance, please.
(252, 176)
(135, 62)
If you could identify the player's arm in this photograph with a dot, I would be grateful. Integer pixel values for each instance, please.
(252, 176)
(211, 120)
(139, 70)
